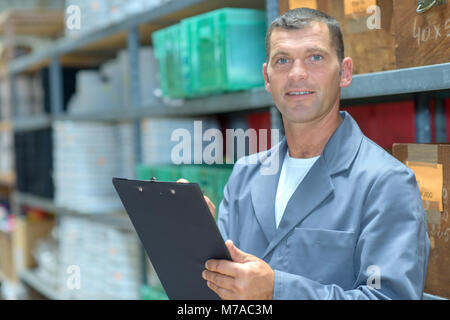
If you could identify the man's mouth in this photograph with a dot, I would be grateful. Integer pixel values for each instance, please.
(299, 93)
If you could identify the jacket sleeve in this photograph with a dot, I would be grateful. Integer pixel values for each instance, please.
(391, 253)
(228, 215)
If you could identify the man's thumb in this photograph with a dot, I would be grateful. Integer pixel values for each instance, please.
(236, 254)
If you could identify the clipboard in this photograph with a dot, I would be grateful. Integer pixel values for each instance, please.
(177, 231)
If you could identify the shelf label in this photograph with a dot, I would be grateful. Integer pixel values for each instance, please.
(429, 177)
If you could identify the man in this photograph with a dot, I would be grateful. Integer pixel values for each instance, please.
(341, 218)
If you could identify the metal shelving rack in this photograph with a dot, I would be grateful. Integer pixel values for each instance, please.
(422, 83)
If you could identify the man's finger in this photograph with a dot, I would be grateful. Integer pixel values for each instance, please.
(182, 180)
(236, 254)
(225, 267)
(211, 205)
(223, 293)
(219, 279)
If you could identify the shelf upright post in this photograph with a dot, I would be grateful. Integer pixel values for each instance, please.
(135, 86)
(135, 102)
(422, 118)
(56, 86)
(439, 116)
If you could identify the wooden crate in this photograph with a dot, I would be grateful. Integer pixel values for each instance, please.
(25, 237)
(371, 49)
(422, 155)
(421, 38)
(7, 268)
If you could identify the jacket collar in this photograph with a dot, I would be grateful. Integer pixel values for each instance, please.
(336, 157)
(343, 145)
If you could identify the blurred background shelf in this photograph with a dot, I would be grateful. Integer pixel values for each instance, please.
(33, 280)
(116, 219)
(364, 86)
(30, 278)
(114, 36)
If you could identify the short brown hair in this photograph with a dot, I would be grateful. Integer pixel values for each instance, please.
(300, 18)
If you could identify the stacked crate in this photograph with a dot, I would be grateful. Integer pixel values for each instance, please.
(203, 55)
(107, 259)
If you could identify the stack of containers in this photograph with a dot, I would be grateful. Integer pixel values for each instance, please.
(157, 134)
(167, 43)
(34, 162)
(109, 87)
(71, 247)
(123, 265)
(149, 77)
(107, 260)
(86, 157)
(95, 91)
(204, 55)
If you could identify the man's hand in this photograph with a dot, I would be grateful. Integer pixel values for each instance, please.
(211, 206)
(246, 277)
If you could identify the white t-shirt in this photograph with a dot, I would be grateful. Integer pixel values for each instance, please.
(292, 173)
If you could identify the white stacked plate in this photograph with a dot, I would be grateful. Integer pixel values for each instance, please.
(86, 157)
(124, 265)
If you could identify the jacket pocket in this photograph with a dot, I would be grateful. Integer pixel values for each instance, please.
(322, 255)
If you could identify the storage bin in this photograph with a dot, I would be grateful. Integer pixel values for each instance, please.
(224, 50)
(167, 51)
(205, 54)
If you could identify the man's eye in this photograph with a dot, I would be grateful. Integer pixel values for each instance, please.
(316, 57)
(282, 61)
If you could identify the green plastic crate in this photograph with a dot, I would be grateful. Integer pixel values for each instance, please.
(160, 172)
(152, 293)
(167, 50)
(143, 172)
(224, 50)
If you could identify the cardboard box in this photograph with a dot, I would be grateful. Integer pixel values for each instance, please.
(421, 38)
(387, 34)
(368, 31)
(25, 237)
(431, 164)
(7, 269)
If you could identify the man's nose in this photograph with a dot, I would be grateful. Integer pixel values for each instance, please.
(298, 71)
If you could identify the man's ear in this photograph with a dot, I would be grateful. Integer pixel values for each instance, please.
(266, 78)
(346, 72)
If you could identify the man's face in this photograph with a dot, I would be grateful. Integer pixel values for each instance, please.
(302, 73)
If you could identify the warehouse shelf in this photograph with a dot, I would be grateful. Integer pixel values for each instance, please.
(399, 81)
(34, 122)
(228, 102)
(364, 86)
(34, 281)
(30, 278)
(113, 36)
(119, 220)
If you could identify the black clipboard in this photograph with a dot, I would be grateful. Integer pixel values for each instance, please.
(177, 231)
